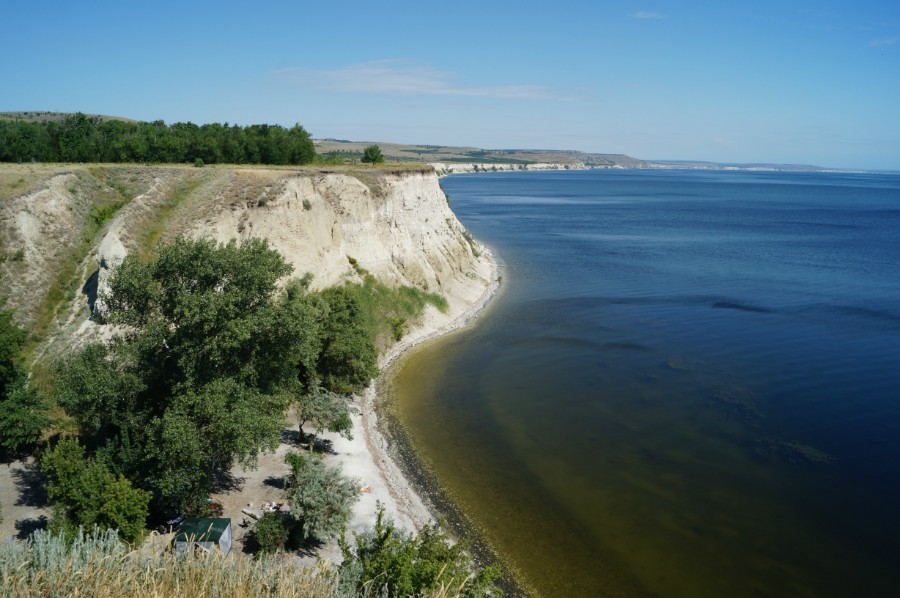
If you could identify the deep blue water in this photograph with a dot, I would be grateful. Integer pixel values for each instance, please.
(691, 379)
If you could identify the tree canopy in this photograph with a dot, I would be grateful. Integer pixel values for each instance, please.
(85, 493)
(212, 357)
(80, 138)
(321, 497)
(22, 409)
(372, 154)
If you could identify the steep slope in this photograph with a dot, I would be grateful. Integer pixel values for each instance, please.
(62, 237)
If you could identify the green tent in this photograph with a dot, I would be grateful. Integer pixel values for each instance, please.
(205, 533)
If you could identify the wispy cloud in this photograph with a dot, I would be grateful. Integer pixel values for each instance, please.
(647, 14)
(885, 41)
(401, 77)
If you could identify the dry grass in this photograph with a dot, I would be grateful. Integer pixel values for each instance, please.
(22, 179)
(101, 566)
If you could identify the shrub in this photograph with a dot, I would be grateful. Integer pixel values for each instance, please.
(321, 497)
(373, 155)
(394, 562)
(271, 533)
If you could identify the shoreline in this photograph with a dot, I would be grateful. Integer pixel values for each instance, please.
(367, 457)
(410, 508)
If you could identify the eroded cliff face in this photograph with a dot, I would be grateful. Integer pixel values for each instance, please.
(398, 227)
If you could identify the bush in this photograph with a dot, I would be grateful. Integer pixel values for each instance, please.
(271, 533)
(321, 497)
(373, 155)
(394, 562)
(85, 493)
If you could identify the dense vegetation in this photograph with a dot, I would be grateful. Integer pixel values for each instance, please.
(395, 562)
(211, 353)
(22, 409)
(212, 358)
(79, 138)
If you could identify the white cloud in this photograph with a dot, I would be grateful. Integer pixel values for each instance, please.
(648, 14)
(885, 41)
(400, 77)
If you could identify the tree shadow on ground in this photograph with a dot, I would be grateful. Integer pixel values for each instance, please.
(274, 482)
(26, 527)
(290, 436)
(323, 445)
(302, 440)
(225, 481)
(309, 548)
(32, 485)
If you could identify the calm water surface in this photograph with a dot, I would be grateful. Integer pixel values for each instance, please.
(690, 385)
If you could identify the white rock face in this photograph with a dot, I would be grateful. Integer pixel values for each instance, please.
(401, 230)
(445, 168)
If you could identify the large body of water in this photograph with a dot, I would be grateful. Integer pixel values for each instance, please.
(690, 385)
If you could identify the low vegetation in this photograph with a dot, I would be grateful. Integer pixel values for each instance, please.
(100, 564)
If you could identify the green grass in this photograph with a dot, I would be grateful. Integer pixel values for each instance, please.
(389, 310)
(151, 235)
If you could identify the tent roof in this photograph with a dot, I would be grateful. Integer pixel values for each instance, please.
(202, 529)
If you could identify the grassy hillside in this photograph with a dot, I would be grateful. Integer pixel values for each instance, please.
(44, 116)
(442, 153)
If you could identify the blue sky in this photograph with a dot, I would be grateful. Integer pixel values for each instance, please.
(815, 82)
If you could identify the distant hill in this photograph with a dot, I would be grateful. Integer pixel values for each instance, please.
(443, 153)
(55, 116)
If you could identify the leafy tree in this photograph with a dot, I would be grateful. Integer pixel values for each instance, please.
(321, 497)
(12, 339)
(22, 416)
(373, 155)
(271, 533)
(397, 563)
(325, 410)
(22, 409)
(85, 493)
(349, 358)
(80, 138)
(202, 378)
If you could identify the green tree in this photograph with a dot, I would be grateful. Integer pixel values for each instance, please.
(349, 359)
(22, 416)
(325, 410)
(12, 339)
(22, 409)
(271, 533)
(321, 497)
(83, 492)
(373, 155)
(397, 563)
(203, 376)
